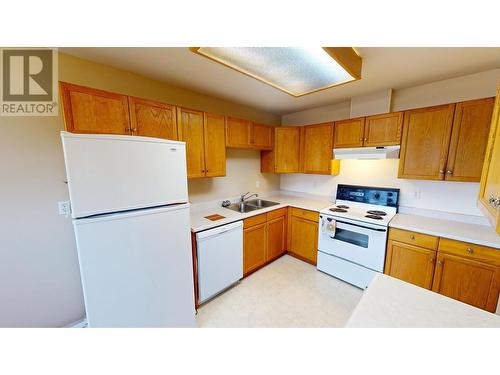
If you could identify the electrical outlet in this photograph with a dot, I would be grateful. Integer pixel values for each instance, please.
(64, 208)
(257, 184)
(416, 194)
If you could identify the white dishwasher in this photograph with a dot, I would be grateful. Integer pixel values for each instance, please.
(219, 254)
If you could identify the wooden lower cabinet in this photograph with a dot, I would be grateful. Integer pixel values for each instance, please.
(254, 247)
(463, 271)
(264, 239)
(466, 280)
(303, 234)
(410, 263)
(276, 237)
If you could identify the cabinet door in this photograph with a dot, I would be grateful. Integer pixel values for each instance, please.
(409, 263)
(304, 238)
(215, 145)
(254, 247)
(276, 237)
(262, 137)
(469, 137)
(472, 282)
(88, 110)
(287, 149)
(424, 147)
(383, 130)
(489, 195)
(238, 133)
(153, 119)
(349, 133)
(318, 148)
(190, 129)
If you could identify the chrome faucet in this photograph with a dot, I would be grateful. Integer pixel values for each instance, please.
(244, 197)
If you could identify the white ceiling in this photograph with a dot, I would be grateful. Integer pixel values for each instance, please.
(382, 68)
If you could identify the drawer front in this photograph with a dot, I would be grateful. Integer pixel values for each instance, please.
(254, 220)
(414, 238)
(276, 213)
(305, 214)
(470, 251)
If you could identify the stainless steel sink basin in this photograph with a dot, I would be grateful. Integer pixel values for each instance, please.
(261, 203)
(242, 207)
(251, 205)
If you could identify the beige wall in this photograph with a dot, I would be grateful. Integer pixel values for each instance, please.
(39, 269)
(456, 197)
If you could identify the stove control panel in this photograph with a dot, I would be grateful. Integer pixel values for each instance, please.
(372, 195)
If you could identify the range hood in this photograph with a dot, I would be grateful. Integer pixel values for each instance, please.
(385, 152)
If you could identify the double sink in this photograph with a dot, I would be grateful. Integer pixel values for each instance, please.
(251, 205)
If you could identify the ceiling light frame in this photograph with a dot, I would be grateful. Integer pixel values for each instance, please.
(346, 57)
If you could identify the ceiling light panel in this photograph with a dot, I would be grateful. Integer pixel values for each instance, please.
(294, 70)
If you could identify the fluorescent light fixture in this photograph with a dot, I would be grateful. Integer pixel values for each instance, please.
(295, 70)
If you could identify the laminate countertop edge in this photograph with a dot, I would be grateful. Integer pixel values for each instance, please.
(473, 233)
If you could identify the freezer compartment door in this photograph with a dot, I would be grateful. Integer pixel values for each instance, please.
(111, 173)
(137, 268)
(220, 259)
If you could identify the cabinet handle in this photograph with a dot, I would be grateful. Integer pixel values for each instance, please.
(494, 201)
(470, 250)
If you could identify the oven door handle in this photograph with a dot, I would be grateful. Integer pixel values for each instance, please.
(362, 226)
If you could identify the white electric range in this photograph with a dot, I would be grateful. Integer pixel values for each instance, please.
(353, 233)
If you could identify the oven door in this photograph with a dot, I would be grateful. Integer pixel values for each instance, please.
(354, 241)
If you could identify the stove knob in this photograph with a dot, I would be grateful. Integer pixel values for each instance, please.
(376, 195)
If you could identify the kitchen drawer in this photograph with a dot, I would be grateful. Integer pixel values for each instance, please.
(471, 251)
(305, 214)
(413, 238)
(276, 213)
(254, 220)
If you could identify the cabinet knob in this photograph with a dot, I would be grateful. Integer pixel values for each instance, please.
(449, 172)
(441, 171)
(494, 201)
(440, 262)
(412, 237)
(470, 250)
(431, 260)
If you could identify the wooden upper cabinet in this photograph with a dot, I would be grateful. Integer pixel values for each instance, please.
(238, 133)
(471, 126)
(383, 130)
(246, 134)
(190, 130)
(318, 148)
(489, 193)
(262, 137)
(349, 133)
(153, 119)
(424, 147)
(88, 110)
(466, 280)
(410, 263)
(215, 145)
(285, 156)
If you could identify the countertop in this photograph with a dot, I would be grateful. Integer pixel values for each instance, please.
(199, 222)
(455, 230)
(392, 303)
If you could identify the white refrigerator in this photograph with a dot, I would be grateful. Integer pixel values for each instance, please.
(130, 210)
